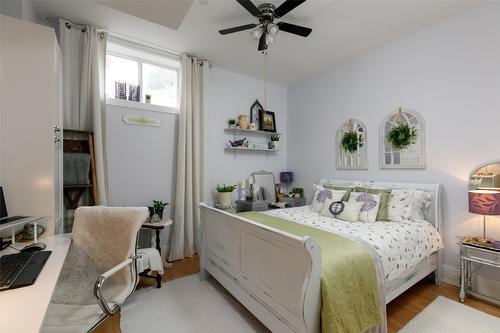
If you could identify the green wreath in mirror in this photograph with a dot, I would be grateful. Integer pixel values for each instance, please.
(351, 141)
(402, 136)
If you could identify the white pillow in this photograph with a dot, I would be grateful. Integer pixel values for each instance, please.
(400, 205)
(350, 213)
(370, 204)
(321, 194)
(420, 204)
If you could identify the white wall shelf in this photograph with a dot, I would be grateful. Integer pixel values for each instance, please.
(240, 130)
(252, 149)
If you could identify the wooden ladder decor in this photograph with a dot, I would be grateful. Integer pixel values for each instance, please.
(74, 192)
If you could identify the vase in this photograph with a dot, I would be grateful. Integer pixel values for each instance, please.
(224, 199)
(243, 121)
(275, 145)
(160, 213)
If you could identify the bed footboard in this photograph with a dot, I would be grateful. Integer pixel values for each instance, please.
(275, 275)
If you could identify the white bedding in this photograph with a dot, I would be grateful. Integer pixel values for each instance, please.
(399, 245)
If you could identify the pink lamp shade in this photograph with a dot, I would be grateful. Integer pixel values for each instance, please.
(484, 202)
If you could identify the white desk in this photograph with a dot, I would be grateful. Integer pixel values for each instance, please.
(23, 309)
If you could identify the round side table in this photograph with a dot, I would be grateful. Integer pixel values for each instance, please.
(157, 227)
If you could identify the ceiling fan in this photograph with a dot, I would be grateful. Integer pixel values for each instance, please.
(266, 29)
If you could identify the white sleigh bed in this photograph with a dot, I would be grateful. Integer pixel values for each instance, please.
(276, 275)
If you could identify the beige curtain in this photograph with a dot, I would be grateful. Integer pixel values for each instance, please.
(98, 109)
(190, 178)
(84, 104)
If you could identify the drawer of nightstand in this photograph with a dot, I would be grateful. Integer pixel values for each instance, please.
(484, 256)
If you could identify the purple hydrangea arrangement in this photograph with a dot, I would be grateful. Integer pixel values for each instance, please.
(323, 195)
(368, 201)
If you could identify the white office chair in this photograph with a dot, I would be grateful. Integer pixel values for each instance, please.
(99, 271)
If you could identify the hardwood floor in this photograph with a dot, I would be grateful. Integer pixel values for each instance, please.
(399, 312)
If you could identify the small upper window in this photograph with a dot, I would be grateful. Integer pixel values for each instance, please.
(161, 84)
(137, 76)
(122, 78)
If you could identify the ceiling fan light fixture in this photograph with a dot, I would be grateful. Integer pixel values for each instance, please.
(272, 29)
(265, 30)
(269, 39)
(257, 32)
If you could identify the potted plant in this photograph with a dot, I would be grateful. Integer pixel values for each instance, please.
(351, 141)
(274, 143)
(157, 208)
(231, 123)
(148, 98)
(402, 135)
(224, 193)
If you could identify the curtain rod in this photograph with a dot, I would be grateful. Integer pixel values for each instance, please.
(128, 39)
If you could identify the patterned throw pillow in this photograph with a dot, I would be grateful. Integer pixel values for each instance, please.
(347, 189)
(400, 205)
(321, 194)
(369, 209)
(385, 194)
(350, 212)
(420, 203)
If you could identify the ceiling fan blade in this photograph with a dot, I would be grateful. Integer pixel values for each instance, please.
(294, 29)
(236, 29)
(248, 5)
(286, 7)
(262, 42)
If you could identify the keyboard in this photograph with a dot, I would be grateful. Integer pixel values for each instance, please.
(21, 269)
(12, 218)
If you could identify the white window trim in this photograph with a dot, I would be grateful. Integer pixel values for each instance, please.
(141, 104)
(125, 103)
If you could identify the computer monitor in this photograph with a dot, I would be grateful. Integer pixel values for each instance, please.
(3, 207)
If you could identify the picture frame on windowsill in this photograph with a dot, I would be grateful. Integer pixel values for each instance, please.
(267, 121)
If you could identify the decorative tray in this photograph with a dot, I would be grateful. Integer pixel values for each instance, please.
(492, 245)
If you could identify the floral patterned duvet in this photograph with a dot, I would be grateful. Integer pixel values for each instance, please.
(399, 245)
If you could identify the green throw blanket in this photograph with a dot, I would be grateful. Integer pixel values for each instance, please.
(348, 279)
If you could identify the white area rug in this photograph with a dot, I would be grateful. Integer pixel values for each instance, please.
(446, 316)
(187, 305)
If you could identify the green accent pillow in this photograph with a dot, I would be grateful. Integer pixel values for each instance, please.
(347, 190)
(385, 194)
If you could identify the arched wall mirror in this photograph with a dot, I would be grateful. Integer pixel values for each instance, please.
(410, 157)
(352, 154)
(486, 176)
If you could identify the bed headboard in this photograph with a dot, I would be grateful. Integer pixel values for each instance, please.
(434, 216)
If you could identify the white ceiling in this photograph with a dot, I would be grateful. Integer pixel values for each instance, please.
(169, 14)
(341, 30)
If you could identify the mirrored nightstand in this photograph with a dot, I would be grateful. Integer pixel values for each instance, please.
(474, 253)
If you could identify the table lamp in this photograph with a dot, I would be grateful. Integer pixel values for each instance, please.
(286, 177)
(484, 202)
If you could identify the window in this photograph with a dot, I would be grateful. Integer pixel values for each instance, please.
(138, 76)
(161, 84)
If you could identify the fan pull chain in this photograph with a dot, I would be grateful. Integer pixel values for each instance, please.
(265, 80)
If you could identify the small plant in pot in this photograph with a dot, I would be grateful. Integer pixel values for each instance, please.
(351, 141)
(224, 194)
(148, 98)
(157, 208)
(275, 141)
(231, 123)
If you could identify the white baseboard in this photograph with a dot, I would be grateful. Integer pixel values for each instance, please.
(482, 287)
